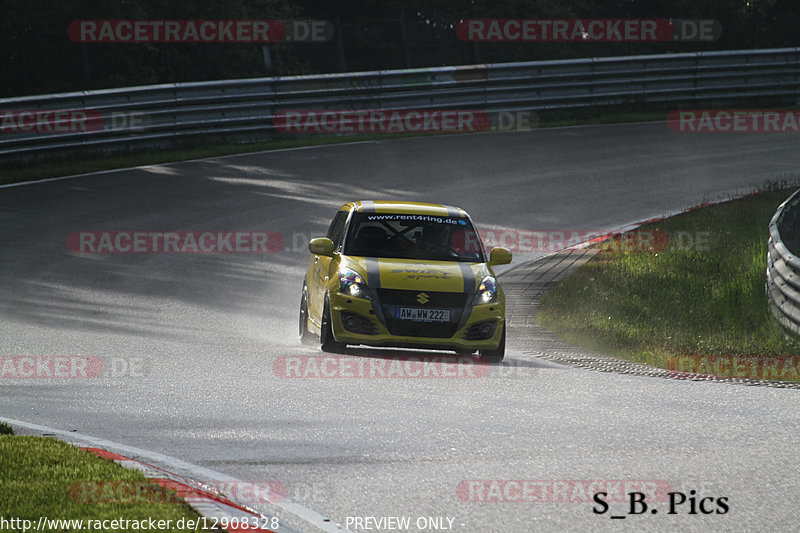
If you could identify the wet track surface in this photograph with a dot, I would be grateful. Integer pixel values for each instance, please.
(203, 332)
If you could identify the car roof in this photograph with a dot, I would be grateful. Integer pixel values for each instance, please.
(406, 208)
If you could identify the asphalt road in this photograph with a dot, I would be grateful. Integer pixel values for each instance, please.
(202, 333)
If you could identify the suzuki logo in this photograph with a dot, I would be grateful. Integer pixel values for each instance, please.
(423, 298)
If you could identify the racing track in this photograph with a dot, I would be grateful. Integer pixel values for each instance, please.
(209, 327)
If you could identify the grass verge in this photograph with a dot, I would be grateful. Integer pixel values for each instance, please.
(692, 305)
(43, 477)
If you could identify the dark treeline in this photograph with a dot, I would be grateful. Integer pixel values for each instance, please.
(37, 56)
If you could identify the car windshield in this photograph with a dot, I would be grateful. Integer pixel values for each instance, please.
(409, 236)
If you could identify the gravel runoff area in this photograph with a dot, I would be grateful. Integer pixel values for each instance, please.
(524, 286)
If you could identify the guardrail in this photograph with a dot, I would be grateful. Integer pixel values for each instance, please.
(783, 266)
(246, 108)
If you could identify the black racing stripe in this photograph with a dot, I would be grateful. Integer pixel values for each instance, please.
(469, 290)
(373, 273)
(367, 206)
(469, 277)
(374, 283)
(453, 212)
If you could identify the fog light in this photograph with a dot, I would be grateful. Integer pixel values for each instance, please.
(482, 331)
(358, 324)
(352, 323)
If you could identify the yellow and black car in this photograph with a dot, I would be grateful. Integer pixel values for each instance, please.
(404, 274)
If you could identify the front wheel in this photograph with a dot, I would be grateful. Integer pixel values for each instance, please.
(306, 337)
(496, 355)
(326, 340)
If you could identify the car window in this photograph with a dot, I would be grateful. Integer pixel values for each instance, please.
(336, 229)
(408, 236)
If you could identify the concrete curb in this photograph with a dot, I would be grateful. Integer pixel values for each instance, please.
(293, 517)
(207, 501)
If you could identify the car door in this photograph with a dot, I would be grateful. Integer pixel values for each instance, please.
(319, 269)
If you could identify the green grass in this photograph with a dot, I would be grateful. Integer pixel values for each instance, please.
(40, 477)
(684, 301)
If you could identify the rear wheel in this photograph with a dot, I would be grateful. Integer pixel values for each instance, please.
(496, 355)
(306, 337)
(326, 340)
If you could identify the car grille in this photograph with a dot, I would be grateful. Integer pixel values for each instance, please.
(409, 298)
(392, 298)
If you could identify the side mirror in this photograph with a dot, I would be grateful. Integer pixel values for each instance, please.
(321, 246)
(499, 256)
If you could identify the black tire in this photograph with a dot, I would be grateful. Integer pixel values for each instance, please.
(306, 337)
(496, 355)
(326, 340)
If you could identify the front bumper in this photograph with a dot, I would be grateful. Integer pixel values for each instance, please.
(370, 315)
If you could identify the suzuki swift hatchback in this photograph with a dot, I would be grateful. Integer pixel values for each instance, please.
(404, 274)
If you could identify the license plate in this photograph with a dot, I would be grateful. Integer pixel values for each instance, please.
(422, 315)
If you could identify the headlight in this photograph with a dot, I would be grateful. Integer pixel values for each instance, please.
(352, 284)
(487, 291)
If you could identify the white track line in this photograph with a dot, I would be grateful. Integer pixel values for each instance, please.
(311, 147)
(209, 158)
(199, 472)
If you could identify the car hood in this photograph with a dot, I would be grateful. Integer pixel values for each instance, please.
(441, 276)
